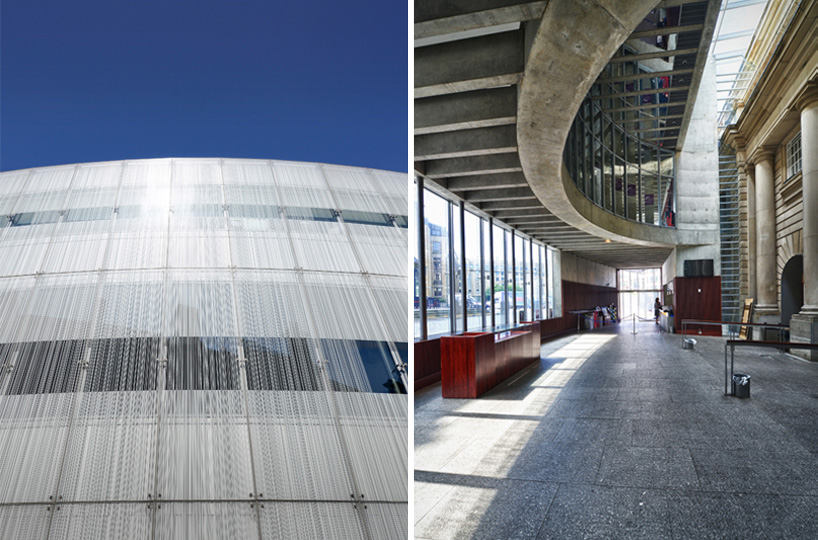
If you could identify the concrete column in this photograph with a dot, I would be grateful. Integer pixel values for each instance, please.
(767, 301)
(804, 325)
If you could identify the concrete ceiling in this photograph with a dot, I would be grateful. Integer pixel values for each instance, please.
(470, 60)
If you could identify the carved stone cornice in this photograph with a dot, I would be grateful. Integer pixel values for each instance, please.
(734, 138)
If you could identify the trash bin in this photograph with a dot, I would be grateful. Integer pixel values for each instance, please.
(689, 343)
(741, 385)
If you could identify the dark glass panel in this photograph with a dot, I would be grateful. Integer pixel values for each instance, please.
(196, 363)
(281, 364)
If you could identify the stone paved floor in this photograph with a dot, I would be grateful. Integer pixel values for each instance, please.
(620, 436)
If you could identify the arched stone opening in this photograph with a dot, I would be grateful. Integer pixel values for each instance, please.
(792, 288)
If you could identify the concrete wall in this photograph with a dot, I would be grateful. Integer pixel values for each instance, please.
(581, 270)
(669, 268)
(697, 180)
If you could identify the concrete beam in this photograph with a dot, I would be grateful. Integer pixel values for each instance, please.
(498, 206)
(473, 19)
(466, 110)
(473, 165)
(563, 231)
(614, 95)
(668, 138)
(647, 106)
(486, 181)
(648, 130)
(499, 195)
(468, 142)
(641, 76)
(427, 10)
(665, 31)
(650, 55)
(558, 227)
(470, 64)
(672, 3)
(522, 222)
(649, 118)
(522, 213)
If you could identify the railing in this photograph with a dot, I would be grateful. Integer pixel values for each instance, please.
(731, 333)
(584, 314)
(733, 343)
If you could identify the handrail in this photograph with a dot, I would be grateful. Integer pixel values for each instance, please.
(733, 343)
(580, 313)
(728, 323)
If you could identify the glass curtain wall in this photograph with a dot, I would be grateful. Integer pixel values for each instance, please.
(488, 285)
(438, 265)
(506, 278)
(161, 314)
(536, 268)
(472, 228)
(457, 267)
(550, 308)
(617, 170)
(638, 290)
(500, 304)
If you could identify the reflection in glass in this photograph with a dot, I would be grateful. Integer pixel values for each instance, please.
(457, 269)
(436, 221)
(500, 305)
(416, 265)
(536, 264)
(473, 304)
(519, 280)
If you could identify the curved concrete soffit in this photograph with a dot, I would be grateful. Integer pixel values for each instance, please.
(574, 42)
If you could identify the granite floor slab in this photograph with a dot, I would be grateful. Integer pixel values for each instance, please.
(615, 435)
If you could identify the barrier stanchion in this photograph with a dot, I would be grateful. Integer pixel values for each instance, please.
(634, 324)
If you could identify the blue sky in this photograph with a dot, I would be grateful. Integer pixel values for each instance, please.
(125, 79)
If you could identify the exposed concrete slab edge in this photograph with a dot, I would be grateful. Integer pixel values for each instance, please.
(567, 54)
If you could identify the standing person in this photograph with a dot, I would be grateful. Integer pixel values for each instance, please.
(657, 309)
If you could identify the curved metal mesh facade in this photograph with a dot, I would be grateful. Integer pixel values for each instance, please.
(203, 348)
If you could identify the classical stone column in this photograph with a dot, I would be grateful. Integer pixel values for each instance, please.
(751, 230)
(804, 325)
(766, 305)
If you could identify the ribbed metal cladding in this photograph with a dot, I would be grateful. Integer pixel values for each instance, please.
(729, 233)
(203, 348)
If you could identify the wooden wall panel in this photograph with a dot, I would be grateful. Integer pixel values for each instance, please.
(553, 328)
(575, 296)
(697, 298)
(473, 363)
(579, 296)
(427, 363)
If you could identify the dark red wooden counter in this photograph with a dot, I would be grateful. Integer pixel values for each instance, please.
(472, 363)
